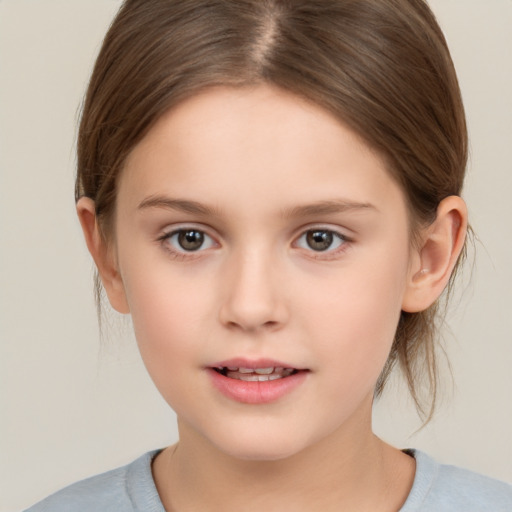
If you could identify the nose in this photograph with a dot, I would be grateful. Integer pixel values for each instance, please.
(253, 298)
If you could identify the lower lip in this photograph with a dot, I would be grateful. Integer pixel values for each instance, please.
(256, 392)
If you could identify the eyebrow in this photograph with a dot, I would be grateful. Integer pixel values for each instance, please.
(328, 207)
(182, 205)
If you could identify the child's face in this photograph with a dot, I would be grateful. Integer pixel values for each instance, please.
(294, 252)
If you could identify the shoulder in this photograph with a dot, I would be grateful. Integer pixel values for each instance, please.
(439, 487)
(128, 488)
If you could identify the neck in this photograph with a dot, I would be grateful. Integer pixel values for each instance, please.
(348, 470)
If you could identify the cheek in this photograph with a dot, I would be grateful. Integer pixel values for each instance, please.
(358, 316)
(168, 333)
(166, 313)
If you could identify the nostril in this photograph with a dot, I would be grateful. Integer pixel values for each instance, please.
(270, 325)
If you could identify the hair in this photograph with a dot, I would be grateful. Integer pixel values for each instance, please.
(380, 66)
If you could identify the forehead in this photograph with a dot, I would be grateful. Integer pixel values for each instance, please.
(239, 147)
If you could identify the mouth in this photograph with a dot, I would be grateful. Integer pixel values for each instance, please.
(255, 374)
(256, 382)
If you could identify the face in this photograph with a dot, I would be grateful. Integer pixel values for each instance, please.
(263, 253)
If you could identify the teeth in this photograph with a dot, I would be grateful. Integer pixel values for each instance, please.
(259, 371)
(259, 374)
(255, 374)
(264, 371)
(254, 377)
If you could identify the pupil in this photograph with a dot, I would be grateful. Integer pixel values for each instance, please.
(190, 240)
(319, 240)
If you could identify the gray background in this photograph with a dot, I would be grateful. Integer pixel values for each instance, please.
(71, 407)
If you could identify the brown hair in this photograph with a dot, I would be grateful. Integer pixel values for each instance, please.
(381, 66)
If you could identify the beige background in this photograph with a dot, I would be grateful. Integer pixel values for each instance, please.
(70, 408)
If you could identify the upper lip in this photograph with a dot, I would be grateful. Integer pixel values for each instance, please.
(241, 362)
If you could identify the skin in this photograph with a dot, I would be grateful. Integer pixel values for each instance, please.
(260, 162)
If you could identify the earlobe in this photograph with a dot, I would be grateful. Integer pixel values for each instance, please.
(433, 262)
(103, 256)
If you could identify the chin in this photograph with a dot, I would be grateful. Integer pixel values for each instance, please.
(260, 453)
(261, 447)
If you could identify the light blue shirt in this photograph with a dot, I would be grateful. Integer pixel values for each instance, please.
(131, 488)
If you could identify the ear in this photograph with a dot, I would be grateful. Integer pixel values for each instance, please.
(433, 262)
(103, 255)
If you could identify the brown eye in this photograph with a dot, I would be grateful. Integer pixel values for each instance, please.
(190, 239)
(187, 240)
(319, 240)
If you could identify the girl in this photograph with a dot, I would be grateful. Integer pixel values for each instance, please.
(271, 189)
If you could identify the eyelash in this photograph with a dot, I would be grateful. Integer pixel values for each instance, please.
(329, 253)
(183, 254)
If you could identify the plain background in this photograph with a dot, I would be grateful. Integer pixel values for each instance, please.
(71, 406)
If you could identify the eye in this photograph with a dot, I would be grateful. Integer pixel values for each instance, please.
(320, 240)
(188, 240)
